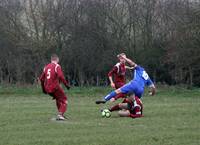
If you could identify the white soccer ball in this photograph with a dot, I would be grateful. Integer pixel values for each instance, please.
(106, 113)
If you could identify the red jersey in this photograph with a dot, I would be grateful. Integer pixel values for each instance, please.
(136, 108)
(118, 71)
(51, 77)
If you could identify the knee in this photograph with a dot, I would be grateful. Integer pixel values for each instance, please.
(117, 91)
(120, 105)
(120, 113)
(124, 113)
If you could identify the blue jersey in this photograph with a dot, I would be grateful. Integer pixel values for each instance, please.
(141, 77)
(138, 83)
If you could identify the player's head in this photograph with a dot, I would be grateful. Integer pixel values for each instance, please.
(131, 97)
(121, 59)
(54, 58)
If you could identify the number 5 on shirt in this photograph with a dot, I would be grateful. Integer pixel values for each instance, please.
(48, 73)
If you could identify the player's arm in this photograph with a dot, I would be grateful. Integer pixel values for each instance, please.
(116, 98)
(132, 63)
(110, 74)
(152, 90)
(42, 78)
(135, 115)
(128, 67)
(62, 78)
(111, 82)
(152, 87)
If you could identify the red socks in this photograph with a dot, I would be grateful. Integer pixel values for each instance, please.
(114, 108)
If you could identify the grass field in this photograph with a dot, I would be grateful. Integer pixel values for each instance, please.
(172, 117)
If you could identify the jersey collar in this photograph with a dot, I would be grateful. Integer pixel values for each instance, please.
(54, 62)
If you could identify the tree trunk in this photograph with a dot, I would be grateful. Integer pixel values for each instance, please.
(191, 76)
(97, 80)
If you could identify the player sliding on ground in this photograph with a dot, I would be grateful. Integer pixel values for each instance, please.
(132, 108)
(136, 85)
(50, 82)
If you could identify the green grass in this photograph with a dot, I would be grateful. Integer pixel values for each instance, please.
(172, 117)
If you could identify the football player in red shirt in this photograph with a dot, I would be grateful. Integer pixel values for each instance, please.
(50, 80)
(118, 72)
(132, 108)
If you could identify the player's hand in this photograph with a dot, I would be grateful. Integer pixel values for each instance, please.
(131, 68)
(68, 87)
(152, 92)
(112, 85)
(38, 80)
(43, 90)
(122, 56)
(112, 100)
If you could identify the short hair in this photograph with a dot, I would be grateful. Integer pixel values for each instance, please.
(54, 57)
(121, 54)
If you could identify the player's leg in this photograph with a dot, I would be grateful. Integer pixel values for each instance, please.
(125, 89)
(52, 95)
(112, 94)
(139, 92)
(125, 100)
(124, 113)
(117, 106)
(129, 111)
(61, 102)
(119, 85)
(55, 96)
(124, 106)
(61, 105)
(114, 108)
(120, 96)
(128, 88)
(109, 96)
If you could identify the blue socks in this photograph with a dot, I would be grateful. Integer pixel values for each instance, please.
(109, 96)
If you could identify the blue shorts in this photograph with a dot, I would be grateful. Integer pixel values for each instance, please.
(132, 87)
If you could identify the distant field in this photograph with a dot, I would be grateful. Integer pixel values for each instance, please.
(172, 117)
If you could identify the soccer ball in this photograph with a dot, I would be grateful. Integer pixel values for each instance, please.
(106, 113)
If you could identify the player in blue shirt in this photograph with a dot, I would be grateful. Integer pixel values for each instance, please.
(136, 85)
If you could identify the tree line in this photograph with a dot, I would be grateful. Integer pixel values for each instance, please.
(161, 35)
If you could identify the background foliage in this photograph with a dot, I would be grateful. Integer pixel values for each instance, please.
(161, 35)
